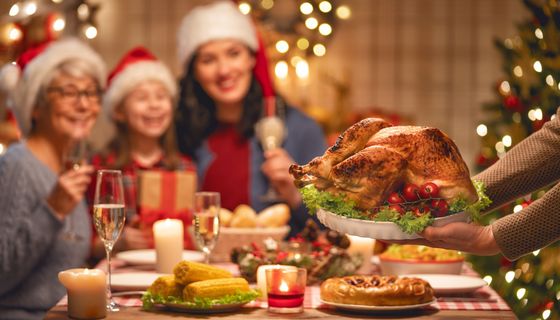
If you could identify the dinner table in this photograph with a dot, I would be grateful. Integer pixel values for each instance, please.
(482, 303)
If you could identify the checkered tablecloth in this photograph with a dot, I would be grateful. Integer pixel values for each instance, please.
(486, 298)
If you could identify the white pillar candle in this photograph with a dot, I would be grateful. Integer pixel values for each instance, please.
(261, 276)
(168, 238)
(87, 295)
(363, 246)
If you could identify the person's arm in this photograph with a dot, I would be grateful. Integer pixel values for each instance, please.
(28, 226)
(530, 165)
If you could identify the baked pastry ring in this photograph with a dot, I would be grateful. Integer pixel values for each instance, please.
(376, 290)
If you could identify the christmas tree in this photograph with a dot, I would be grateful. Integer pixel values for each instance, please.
(526, 98)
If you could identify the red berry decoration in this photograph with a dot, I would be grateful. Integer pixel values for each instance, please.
(440, 206)
(410, 192)
(395, 198)
(429, 190)
(397, 208)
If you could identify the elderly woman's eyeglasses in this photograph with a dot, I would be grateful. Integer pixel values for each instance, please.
(71, 94)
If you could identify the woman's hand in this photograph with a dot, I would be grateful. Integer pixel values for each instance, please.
(135, 237)
(460, 236)
(275, 168)
(70, 190)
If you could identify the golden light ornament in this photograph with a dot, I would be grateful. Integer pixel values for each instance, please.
(302, 43)
(558, 295)
(536, 252)
(325, 29)
(546, 313)
(506, 140)
(83, 12)
(311, 23)
(30, 8)
(524, 302)
(516, 117)
(550, 80)
(267, 4)
(549, 283)
(537, 66)
(508, 43)
(294, 60)
(509, 276)
(539, 33)
(487, 279)
(244, 7)
(58, 24)
(482, 130)
(282, 46)
(281, 69)
(90, 32)
(319, 50)
(517, 208)
(14, 33)
(500, 147)
(521, 293)
(525, 267)
(14, 10)
(302, 69)
(505, 88)
(343, 12)
(538, 114)
(325, 6)
(306, 8)
(518, 71)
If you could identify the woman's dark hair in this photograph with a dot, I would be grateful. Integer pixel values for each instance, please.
(196, 112)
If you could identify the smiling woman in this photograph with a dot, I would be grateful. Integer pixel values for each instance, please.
(56, 102)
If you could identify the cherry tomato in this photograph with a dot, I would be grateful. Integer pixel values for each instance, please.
(410, 192)
(395, 198)
(429, 190)
(397, 208)
(440, 207)
(421, 210)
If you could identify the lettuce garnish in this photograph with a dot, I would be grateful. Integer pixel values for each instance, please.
(149, 300)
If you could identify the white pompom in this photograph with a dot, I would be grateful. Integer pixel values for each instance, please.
(9, 77)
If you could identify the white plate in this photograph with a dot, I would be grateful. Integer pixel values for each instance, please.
(133, 280)
(148, 256)
(359, 307)
(378, 229)
(448, 283)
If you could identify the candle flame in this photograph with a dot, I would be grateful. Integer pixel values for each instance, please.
(283, 287)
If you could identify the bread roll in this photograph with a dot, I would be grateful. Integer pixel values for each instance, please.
(225, 217)
(244, 217)
(274, 216)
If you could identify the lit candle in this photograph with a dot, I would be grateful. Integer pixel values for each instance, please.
(168, 238)
(363, 246)
(285, 289)
(261, 276)
(87, 295)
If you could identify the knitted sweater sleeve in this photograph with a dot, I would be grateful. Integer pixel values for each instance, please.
(530, 165)
(27, 225)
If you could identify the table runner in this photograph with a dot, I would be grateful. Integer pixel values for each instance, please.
(486, 298)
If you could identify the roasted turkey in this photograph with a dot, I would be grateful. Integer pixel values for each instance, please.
(372, 158)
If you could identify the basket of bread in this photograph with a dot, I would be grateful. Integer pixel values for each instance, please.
(199, 288)
(244, 225)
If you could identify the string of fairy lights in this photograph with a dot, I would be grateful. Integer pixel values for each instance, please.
(292, 39)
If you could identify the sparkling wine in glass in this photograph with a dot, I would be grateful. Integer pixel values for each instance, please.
(206, 221)
(109, 217)
(73, 159)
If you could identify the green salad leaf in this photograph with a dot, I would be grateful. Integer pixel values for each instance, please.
(315, 199)
(149, 300)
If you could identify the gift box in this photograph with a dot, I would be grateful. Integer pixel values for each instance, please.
(167, 194)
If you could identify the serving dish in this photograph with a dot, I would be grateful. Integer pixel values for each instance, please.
(363, 308)
(451, 284)
(379, 229)
(218, 308)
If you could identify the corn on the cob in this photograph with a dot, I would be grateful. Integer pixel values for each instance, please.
(187, 272)
(166, 286)
(215, 288)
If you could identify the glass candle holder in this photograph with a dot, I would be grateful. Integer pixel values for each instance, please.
(285, 289)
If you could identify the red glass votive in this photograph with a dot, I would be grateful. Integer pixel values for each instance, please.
(286, 289)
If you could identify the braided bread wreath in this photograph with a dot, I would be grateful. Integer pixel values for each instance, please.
(376, 290)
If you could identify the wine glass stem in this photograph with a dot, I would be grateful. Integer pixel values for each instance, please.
(109, 294)
(206, 255)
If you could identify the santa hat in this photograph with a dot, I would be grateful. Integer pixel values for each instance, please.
(22, 80)
(136, 66)
(223, 20)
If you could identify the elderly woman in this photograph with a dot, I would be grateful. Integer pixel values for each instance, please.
(56, 102)
(222, 98)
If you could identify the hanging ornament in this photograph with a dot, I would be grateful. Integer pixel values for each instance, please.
(513, 103)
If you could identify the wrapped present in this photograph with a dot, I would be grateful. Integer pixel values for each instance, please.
(167, 194)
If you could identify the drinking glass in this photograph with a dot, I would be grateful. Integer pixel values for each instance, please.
(206, 221)
(109, 217)
(270, 130)
(73, 159)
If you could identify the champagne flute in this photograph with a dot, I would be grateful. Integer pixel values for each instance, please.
(206, 221)
(109, 217)
(73, 159)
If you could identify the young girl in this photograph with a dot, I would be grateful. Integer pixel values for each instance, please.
(140, 99)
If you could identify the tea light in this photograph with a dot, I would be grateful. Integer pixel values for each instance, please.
(285, 289)
(87, 295)
(168, 238)
(261, 276)
(363, 246)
